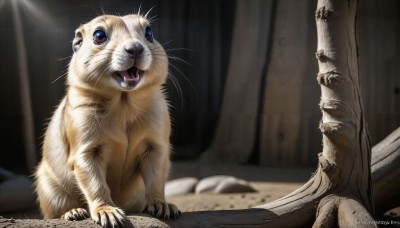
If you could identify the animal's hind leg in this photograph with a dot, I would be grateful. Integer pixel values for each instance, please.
(54, 200)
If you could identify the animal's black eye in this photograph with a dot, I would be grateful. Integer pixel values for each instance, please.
(148, 34)
(99, 37)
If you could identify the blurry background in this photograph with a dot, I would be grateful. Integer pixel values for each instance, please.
(249, 95)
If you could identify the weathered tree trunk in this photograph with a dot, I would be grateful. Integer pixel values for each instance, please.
(345, 160)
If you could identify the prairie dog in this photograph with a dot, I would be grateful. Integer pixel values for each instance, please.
(106, 148)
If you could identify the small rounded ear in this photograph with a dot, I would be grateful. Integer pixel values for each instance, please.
(77, 42)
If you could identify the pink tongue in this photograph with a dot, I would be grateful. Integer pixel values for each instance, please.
(129, 77)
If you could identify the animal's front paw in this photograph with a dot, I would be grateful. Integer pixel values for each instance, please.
(76, 214)
(108, 216)
(163, 210)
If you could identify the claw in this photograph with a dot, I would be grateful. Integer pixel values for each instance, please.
(75, 214)
(163, 210)
(108, 216)
(176, 215)
(166, 217)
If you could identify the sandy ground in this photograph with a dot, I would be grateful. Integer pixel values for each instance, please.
(270, 183)
(267, 192)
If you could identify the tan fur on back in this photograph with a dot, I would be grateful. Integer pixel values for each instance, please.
(107, 145)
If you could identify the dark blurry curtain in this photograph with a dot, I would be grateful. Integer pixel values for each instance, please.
(378, 33)
(236, 131)
(289, 118)
(204, 29)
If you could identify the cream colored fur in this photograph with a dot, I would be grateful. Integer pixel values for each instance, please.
(107, 145)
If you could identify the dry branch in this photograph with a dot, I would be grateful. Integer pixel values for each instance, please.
(385, 168)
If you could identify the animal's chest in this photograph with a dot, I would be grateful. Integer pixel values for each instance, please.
(124, 144)
(125, 134)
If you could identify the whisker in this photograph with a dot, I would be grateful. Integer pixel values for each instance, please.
(61, 59)
(62, 76)
(184, 76)
(180, 59)
(102, 9)
(152, 19)
(145, 16)
(65, 70)
(164, 44)
(177, 87)
(178, 49)
(140, 7)
(171, 77)
(101, 74)
(170, 56)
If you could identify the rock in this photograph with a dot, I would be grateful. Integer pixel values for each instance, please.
(234, 185)
(209, 184)
(180, 186)
(16, 194)
(223, 184)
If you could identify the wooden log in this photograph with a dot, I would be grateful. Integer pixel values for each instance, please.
(385, 168)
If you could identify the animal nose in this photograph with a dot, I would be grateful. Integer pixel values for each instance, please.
(134, 49)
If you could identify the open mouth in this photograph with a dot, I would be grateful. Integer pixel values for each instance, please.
(130, 77)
